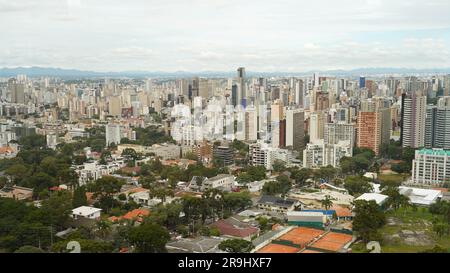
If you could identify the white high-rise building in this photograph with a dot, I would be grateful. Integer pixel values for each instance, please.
(316, 126)
(431, 166)
(339, 131)
(251, 123)
(319, 154)
(276, 115)
(112, 132)
(413, 120)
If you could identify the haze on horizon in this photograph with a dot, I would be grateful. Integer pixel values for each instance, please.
(220, 35)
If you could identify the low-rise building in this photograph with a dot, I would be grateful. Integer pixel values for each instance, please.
(91, 171)
(223, 182)
(17, 193)
(276, 204)
(234, 228)
(164, 151)
(421, 197)
(315, 219)
(86, 212)
(380, 199)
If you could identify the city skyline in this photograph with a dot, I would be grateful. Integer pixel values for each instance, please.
(217, 35)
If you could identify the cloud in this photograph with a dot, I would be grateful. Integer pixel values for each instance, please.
(223, 34)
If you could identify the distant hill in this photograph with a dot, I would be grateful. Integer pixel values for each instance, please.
(74, 73)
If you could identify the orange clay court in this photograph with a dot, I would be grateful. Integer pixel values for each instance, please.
(302, 235)
(276, 248)
(308, 251)
(332, 241)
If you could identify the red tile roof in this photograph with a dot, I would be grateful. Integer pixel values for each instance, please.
(342, 211)
(227, 228)
(136, 214)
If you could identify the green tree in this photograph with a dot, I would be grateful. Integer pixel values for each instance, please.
(440, 228)
(29, 249)
(17, 172)
(302, 176)
(149, 238)
(369, 218)
(49, 165)
(69, 177)
(55, 211)
(357, 185)
(327, 202)
(79, 197)
(395, 199)
(86, 245)
(130, 155)
(236, 246)
(105, 188)
(279, 166)
(103, 228)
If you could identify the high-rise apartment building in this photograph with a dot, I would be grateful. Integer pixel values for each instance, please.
(295, 132)
(339, 131)
(251, 123)
(319, 154)
(369, 131)
(203, 88)
(276, 115)
(413, 120)
(447, 85)
(115, 106)
(437, 125)
(17, 91)
(242, 92)
(112, 133)
(316, 126)
(431, 166)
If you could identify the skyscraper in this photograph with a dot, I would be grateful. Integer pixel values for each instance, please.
(298, 94)
(437, 125)
(17, 91)
(295, 120)
(362, 82)
(203, 88)
(316, 126)
(234, 95)
(275, 117)
(339, 131)
(447, 85)
(413, 120)
(316, 79)
(195, 87)
(251, 123)
(112, 133)
(242, 94)
(369, 135)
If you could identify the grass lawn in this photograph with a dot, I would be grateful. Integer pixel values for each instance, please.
(393, 177)
(419, 221)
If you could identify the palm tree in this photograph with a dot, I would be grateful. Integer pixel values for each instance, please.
(327, 202)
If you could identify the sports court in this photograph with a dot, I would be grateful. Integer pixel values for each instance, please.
(301, 236)
(332, 242)
(277, 248)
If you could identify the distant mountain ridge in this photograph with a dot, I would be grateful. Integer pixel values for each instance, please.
(75, 73)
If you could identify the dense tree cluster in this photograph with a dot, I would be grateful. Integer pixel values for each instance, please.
(369, 218)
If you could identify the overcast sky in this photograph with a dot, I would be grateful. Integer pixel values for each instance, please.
(221, 35)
